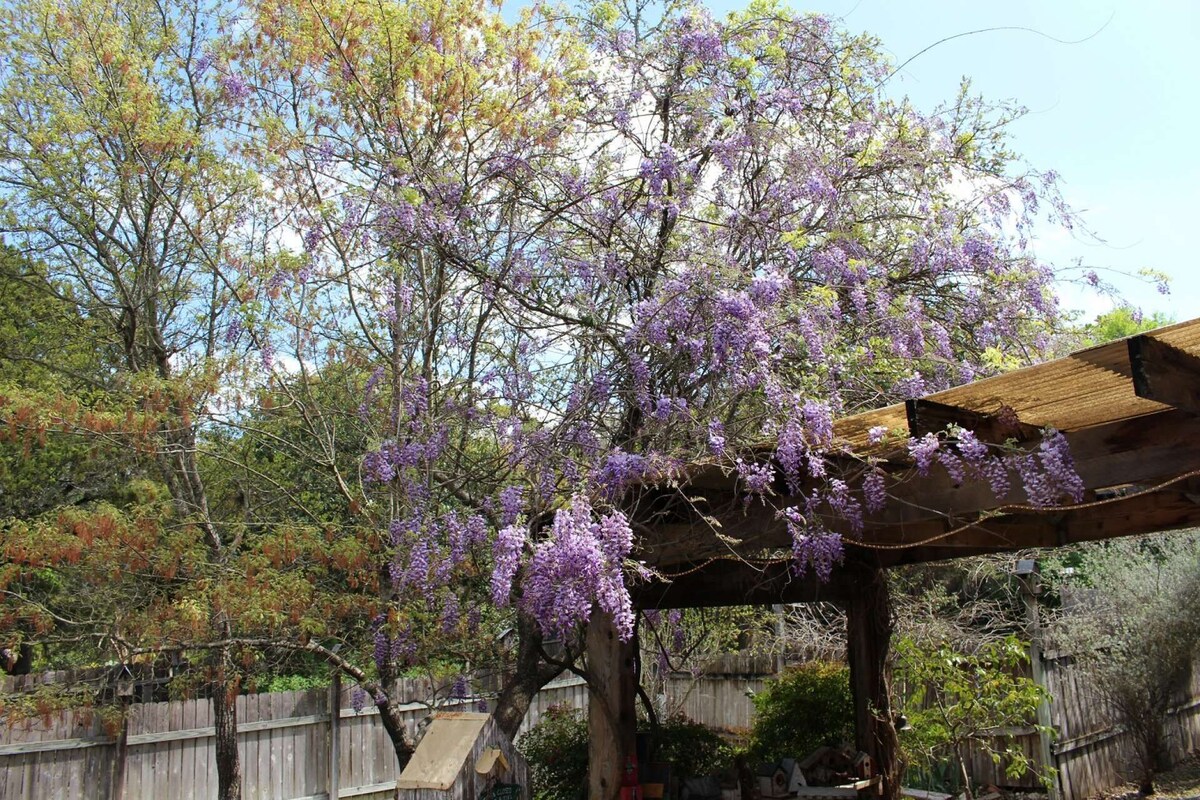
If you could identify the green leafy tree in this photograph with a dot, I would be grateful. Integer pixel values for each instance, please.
(48, 346)
(1122, 322)
(1131, 618)
(808, 706)
(955, 701)
(114, 177)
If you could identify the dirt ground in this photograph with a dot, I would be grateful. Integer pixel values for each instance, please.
(1181, 783)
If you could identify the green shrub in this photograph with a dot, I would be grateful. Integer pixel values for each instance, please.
(808, 706)
(557, 751)
(691, 748)
(952, 700)
(294, 683)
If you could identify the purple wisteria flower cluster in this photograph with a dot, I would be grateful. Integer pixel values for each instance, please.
(1046, 474)
(577, 566)
(813, 547)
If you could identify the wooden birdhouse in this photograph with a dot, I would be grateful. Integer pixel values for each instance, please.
(862, 766)
(773, 781)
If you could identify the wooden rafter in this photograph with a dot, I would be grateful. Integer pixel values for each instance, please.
(929, 416)
(730, 581)
(1165, 374)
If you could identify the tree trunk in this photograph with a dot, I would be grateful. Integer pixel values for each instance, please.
(224, 700)
(612, 717)
(396, 730)
(530, 675)
(1153, 753)
(868, 636)
(960, 755)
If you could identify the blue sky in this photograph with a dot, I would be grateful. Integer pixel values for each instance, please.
(1116, 115)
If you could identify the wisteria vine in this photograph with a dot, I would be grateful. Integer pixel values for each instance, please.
(579, 256)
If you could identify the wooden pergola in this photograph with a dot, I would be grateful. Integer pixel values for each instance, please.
(1130, 411)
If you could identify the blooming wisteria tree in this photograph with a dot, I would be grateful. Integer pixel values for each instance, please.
(577, 253)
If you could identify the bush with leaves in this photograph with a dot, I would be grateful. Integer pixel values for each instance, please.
(955, 701)
(557, 751)
(691, 748)
(1131, 618)
(808, 706)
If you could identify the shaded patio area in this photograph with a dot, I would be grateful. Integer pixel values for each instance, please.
(1128, 410)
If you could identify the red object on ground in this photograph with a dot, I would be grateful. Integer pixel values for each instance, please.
(630, 784)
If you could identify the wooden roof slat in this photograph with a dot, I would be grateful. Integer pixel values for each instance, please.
(1090, 387)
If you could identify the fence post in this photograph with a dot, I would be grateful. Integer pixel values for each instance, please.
(120, 750)
(335, 714)
(1030, 587)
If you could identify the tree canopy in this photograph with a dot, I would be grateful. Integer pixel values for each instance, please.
(400, 300)
(575, 255)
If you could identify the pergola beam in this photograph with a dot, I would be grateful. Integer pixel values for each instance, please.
(1164, 374)
(729, 582)
(1171, 508)
(1140, 451)
(927, 416)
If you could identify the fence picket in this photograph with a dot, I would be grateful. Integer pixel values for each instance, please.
(285, 747)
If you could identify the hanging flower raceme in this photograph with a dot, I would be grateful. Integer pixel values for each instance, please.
(578, 568)
(812, 545)
(510, 541)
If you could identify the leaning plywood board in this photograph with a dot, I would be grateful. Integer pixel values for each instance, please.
(846, 790)
(442, 752)
(826, 792)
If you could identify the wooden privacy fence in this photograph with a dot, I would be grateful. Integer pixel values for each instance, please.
(1090, 752)
(293, 747)
(719, 701)
(285, 740)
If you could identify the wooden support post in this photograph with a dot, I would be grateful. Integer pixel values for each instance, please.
(1029, 586)
(335, 714)
(612, 719)
(121, 755)
(868, 636)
